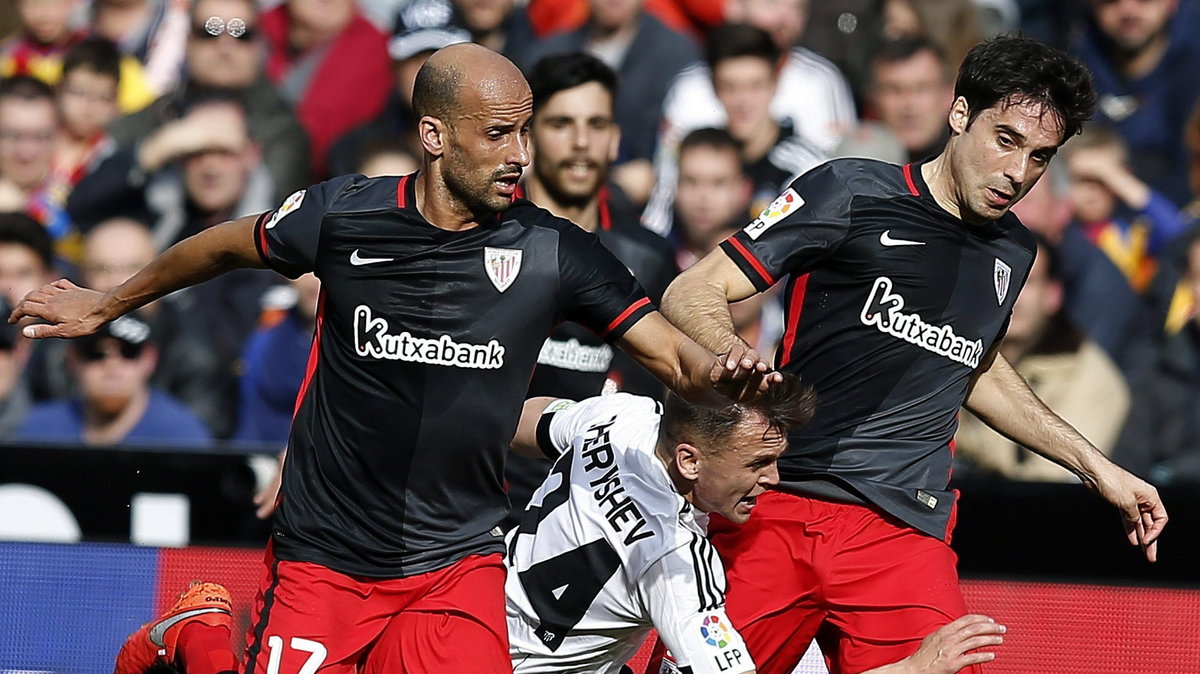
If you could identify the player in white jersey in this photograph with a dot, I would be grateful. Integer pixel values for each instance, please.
(613, 542)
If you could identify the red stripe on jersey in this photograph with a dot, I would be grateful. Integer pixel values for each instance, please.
(908, 179)
(626, 314)
(519, 193)
(749, 257)
(313, 354)
(605, 215)
(262, 235)
(401, 198)
(795, 307)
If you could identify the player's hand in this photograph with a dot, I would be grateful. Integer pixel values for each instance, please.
(1142, 510)
(947, 649)
(69, 311)
(741, 373)
(268, 496)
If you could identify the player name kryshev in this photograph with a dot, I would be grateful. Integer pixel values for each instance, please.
(884, 311)
(371, 339)
(618, 508)
(571, 355)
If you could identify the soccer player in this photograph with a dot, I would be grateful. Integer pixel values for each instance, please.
(901, 283)
(613, 542)
(437, 292)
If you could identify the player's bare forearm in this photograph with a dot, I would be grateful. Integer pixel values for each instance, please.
(1003, 400)
(524, 442)
(71, 311)
(698, 301)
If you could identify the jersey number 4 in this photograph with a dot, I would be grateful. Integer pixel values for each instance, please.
(561, 589)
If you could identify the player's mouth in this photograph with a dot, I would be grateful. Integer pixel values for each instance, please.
(997, 198)
(580, 170)
(747, 503)
(507, 185)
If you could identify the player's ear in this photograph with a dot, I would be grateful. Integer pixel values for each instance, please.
(432, 133)
(687, 461)
(959, 115)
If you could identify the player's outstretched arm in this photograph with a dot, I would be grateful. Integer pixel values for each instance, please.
(1003, 400)
(947, 649)
(71, 311)
(525, 442)
(697, 301)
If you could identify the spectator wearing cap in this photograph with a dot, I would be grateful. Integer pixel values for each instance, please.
(408, 50)
(225, 53)
(331, 64)
(115, 405)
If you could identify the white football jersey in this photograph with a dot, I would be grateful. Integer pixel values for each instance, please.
(607, 549)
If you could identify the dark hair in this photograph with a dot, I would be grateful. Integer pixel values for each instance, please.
(559, 72)
(1013, 70)
(786, 405)
(718, 139)
(898, 50)
(732, 40)
(23, 230)
(435, 91)
(26, 88)
(96, 54)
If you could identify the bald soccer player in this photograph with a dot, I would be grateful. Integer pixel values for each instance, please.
(438, 289)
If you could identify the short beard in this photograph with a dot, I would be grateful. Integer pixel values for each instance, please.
(564, 198)
(458, 178)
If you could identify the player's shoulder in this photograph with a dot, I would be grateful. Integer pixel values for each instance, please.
(855, 177)
(529, 215)
(357, 193)
(629, 409)
(1011, 224)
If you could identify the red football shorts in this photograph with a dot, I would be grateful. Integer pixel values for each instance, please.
(866, 587)
(309, 618)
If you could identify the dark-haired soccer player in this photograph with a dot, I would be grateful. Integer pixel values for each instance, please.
(901, 283)
(437, 292)
(614, 541)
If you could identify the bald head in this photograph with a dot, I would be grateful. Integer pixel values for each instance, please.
(458, 69)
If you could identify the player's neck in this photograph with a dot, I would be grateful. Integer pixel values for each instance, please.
(439, 207)
(944, 188)
(681, 485)
(586, 214)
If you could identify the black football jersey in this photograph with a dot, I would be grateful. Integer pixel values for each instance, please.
(891, 303)
(424, 344)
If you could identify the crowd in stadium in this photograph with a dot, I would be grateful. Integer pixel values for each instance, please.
(129, 125)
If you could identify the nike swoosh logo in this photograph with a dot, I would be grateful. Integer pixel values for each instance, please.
(159, 631)
(358, 261)
(887, 240)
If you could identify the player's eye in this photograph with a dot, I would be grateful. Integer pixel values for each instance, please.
(1005, 141)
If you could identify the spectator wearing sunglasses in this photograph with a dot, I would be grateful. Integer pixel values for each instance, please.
(225, 53)
(115, 405)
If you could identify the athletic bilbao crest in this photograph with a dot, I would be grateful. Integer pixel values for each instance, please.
(1002, 277)
(502, 266)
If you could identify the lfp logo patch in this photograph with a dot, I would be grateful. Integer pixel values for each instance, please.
(715, 632)
(784, 205)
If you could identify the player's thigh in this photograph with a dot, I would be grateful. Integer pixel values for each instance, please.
(885, 595)
(309, 619)
(459, 626)
(773, 587)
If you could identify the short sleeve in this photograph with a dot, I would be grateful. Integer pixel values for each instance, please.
(287, 237)
(684, 592)
(600, 292)
(803, 226)
(564, 420)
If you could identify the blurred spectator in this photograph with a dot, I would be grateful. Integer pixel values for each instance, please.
(713, 193)
(912, 87)
(1144, 67)
(744, 62)
(273, 364)
(952, 24)
(395, 125)
(331, 64)
(646, 55)
(1096, 296)
(848, 33)
(1069, 372)
(26, 256)
(185, 177)
(810, 93)
(1119, 213)
(87, 104)
(15, 400)
(116, 404)
(1162, 439)
(694, 17)
(1170, 294)
(153, 32)
(43, 36)
(387, 160)
(230, 61)
(28, 131)
(499, 25)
